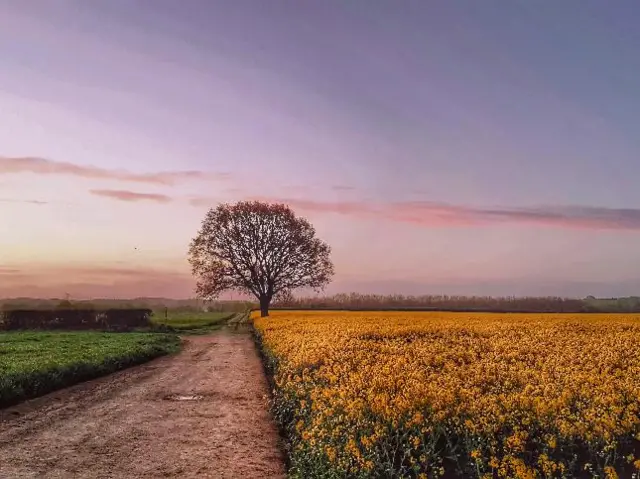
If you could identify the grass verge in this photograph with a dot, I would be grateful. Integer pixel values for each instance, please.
(35, 363)
(187, 322)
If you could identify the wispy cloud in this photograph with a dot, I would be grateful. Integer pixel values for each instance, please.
(30, 202)
(9, 271)
(432, 214)
(43, 166)
(567, 216)
(126, 195)
(203, 201)
(343, 188)
(94, 281)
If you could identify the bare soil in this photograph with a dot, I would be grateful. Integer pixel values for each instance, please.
(201, 413)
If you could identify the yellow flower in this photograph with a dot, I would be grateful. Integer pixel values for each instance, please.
(506, 382)
(610, 473)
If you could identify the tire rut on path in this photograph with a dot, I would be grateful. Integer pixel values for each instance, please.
(123, 425)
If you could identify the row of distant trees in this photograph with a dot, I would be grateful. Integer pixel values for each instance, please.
(359, 301)
(157, 305)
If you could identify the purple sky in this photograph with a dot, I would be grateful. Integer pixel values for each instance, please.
(439, 147)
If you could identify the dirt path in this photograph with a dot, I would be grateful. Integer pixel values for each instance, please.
(122, 426)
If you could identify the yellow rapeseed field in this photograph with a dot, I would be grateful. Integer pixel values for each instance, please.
(417, 394)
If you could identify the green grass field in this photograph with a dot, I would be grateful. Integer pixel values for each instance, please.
(35, 363)
(185, 321)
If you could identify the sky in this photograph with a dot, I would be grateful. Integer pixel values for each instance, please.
(456, 147)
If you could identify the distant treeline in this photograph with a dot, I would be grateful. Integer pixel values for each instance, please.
(349, 301)
(156, 304)
(356, 301)
(72, 319)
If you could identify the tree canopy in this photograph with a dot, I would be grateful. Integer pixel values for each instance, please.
(258, 248)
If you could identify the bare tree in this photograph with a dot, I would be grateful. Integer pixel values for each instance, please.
(258, 248)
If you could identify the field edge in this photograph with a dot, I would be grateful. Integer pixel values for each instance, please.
(20, 387)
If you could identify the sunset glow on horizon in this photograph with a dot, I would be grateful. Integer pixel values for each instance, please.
(449, 148)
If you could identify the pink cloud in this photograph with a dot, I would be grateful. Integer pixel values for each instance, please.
(9, 271)
(432, 214)
(341, 207)
(94, 281)
(203, 201)
(126, 195)
(43, 166)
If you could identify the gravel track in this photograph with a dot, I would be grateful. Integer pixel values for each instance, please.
(123, 425)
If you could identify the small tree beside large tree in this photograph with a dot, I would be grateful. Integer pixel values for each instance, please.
(258, 248)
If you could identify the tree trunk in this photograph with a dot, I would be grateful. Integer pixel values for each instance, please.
(264, 306)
